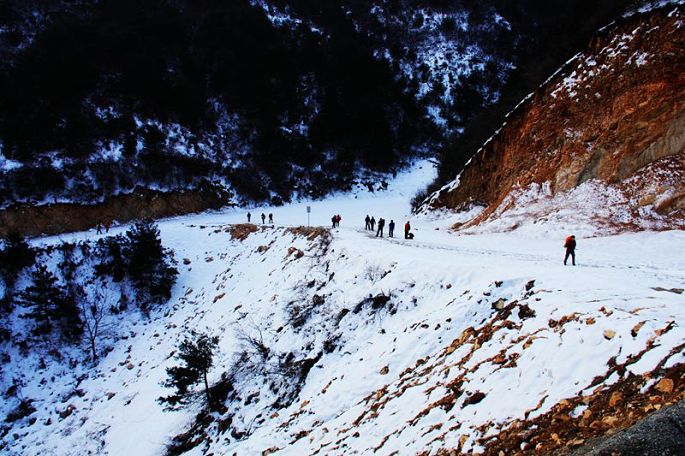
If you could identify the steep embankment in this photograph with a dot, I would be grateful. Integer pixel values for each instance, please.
(602, 141)
(335, 342)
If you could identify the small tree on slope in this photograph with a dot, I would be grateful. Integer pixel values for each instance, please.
(112, 262)
(44, 298)
(14, 256)
(93, 313)
(149, 265)
(197, 355)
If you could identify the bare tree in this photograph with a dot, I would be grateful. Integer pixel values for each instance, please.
(92, 314)
(254, 342)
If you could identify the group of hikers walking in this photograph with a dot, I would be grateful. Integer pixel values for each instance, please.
(370, 224)
(271, 218)
(100, 226)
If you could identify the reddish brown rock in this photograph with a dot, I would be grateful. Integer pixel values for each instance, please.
(616, 113)
(665, 385)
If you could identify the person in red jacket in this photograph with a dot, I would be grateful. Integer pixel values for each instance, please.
(570, 245)
(407, 228)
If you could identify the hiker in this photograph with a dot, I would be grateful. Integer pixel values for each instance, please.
(333, 220)
(407, 228)
(337, 220)
(108, 223)
(367, 222)
(570, 245)
(249, 216)
(99, 228)
(373, 223)
(381, 225)
(271, 218)
(263, 218)
(391, 228)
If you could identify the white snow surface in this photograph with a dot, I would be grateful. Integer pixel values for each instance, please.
(7, 164)
(440, 284)
(594, 208)
(647, 6)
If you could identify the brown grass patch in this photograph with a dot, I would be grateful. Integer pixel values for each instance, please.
(310, 232)
(241, 231)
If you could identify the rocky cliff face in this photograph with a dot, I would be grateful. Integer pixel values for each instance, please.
(29, 220)
(605, 135)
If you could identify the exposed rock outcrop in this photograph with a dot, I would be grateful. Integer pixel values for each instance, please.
(30, 220)
(613, 117)
(660, 434)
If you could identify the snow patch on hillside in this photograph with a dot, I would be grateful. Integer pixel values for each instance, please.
(594, 208)
(7, 164)
(648, 6)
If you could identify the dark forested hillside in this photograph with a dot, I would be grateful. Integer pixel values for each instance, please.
(269, 99)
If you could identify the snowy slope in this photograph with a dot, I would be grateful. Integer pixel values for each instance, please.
(418, 345)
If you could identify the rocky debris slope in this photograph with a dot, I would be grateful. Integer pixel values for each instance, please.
(603, 139)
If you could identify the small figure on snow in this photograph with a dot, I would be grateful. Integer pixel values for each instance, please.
(391, 228)
(99, 228)
(249, 216)
(407, 231)
(271, 218)
(263, 218)
(381, 225)
(373, 223)
(367, 222)
(570, 246)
